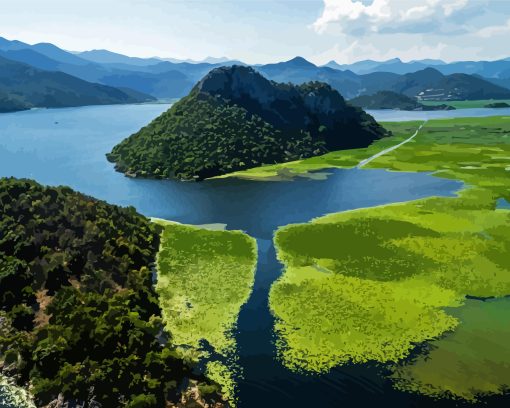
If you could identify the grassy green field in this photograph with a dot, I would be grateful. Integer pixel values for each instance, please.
(371, 284)
(204, 277)
(338, 159)
(465, 104)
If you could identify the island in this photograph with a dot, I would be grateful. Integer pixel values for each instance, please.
(235, 119)
(497, 105)
(394, 100)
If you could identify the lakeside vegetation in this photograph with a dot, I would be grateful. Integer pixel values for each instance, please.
(371, 284)
(481, 103)
(204, 277)
(349, 158)
(79, 317)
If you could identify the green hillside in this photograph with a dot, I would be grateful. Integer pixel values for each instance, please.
(79, 316)
(236, 119)
(393, 100)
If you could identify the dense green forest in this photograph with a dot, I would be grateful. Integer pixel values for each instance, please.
(393, 100)
(236, 119)
(9, 103)
(498, 105)
(79, 317)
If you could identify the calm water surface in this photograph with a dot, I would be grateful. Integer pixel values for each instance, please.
(388, 115)
(68, 146)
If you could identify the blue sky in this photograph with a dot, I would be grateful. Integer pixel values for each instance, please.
(264, 31)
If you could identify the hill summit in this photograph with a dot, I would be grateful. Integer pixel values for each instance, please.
(235, 119)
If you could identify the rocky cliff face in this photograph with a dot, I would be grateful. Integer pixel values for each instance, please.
(308, 106)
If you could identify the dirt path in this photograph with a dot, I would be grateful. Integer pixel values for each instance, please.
(390, 149)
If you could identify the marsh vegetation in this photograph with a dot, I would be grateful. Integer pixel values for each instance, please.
(204, 277)
(371, 284)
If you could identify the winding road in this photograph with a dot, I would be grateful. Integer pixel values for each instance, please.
(390, 149)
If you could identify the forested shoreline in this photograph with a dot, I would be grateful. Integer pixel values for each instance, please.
(79, 317)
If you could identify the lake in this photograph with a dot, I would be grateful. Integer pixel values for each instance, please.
(389, 115)
(68, 147)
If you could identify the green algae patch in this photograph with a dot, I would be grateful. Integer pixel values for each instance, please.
(204, 277)
(224, 375)
(325, 319)
(372, 284)
(308, 168)
(469, 363)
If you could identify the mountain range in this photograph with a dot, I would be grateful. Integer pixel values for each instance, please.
(23, 87)
(488, 69)
(167, 79)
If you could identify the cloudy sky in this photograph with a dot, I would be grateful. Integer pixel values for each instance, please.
(261, 31)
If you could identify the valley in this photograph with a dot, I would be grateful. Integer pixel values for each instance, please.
(255, 204)
(445, 147)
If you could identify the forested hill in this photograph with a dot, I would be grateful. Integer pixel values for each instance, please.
(78, 313)
(393, 100)
(234, 119)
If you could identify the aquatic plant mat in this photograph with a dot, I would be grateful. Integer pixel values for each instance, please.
(371, 285)
(204, 277)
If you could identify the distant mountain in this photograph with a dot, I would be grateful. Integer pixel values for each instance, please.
(30, 87)
(413, 83)
(394, 65)
(428, 83)
(12, 45)
(162, 79)
(108, 57)
(503, 82)
(31, 57)
(299, 71)
(235, 119)
(433, 62)
(208, 60)
(170, 78)
(57, 54)
(393, 100)
(487, 69)
(216, 60)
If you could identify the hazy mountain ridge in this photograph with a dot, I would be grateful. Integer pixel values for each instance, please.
(24, 86)
(172, 79)
(487, 69)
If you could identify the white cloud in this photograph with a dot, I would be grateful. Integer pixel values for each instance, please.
(407, 48)
(353, 16)
(491, 31)
(450, 7)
